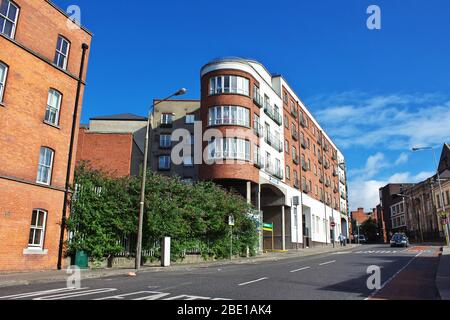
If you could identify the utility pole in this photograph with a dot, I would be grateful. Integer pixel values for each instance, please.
(144, 177)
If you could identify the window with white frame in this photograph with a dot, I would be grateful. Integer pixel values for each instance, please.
(229, 148)
(62, 52)
(45, 166)
(167, 119)
(53, 107)
(8, 18)
(164, 163)
(165, 141)
(190, 119)
(3, 73)
(229, 115)
(229, 84)
(37, 229)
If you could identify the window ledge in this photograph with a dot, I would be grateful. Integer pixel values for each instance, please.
(2, 104)
(52, 125)
(35, 251)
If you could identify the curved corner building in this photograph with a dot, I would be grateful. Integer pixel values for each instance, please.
(273, 152)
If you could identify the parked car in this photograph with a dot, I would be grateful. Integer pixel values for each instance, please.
(399, 240)
(362, 239)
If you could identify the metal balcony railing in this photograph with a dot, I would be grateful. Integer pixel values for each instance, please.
(257, 128)
(273, 141)
(273, 114)
(258, 99)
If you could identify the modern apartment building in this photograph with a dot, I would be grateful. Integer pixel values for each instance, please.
(258, 138)
(41, 58)
(169, 117)
(113, 144)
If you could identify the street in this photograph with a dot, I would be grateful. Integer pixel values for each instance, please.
(405, 274)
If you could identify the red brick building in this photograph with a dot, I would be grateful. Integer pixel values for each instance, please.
(113, 144)
(40, 63)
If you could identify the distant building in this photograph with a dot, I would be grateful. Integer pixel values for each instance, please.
(113, 144)
(416, 209)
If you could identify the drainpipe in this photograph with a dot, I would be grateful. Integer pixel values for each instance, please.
(84, 47)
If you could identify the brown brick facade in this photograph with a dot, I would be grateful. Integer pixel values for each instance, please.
(238, 171)
(108, 152)
(23, 132)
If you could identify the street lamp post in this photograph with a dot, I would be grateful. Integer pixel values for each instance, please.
(441, 197)
(144, 176)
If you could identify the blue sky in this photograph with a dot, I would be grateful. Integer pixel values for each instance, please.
(377, 92)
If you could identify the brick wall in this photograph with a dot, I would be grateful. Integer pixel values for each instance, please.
(23, 132)
(109, 152)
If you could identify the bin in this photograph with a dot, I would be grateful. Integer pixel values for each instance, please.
(81, 260)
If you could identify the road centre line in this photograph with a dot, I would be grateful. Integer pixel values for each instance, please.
(250, 282)
(301, 269)
(325, 263)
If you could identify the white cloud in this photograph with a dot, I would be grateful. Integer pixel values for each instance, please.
(402, 159)
(396, 121)
(373, 165)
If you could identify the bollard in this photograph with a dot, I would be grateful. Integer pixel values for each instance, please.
(165, 252)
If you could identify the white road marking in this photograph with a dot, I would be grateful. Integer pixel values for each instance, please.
(393, 277)
(123, 296)
(74, 295)
(325, 263)
(250, 282)
(301, 269)
(39, 293)
(188, 298)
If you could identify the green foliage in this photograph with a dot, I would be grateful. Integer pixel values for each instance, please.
(102, 211)
(194, 216)
(370, 228)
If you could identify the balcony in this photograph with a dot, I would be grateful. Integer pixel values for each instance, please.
(302, 121)
(297, 184)
(319, 141)
(342, 180)
(271, 140)
(305, 188)
(326, 165)
(295, 135)
(305, 166)
(258, 161)
(334, 156)
(335, 173)
(276, 172)
(325, 147)
(273, 114)
(328, 183)
(294, 112)
(303, 143)
(296, 159)
(321, 179)
(320, 159)
(257, 129)
(335, 190)
(258, 99)
(342, 196)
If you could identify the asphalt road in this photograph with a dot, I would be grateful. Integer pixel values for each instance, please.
(405, 274)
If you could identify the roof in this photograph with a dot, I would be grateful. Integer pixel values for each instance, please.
(121, 117)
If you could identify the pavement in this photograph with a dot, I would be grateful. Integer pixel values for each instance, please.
(404, 274)
(28, 278)
(443, 275)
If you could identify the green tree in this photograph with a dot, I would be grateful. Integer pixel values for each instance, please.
(370, 229)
